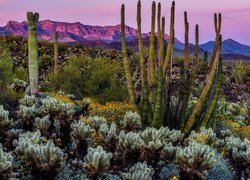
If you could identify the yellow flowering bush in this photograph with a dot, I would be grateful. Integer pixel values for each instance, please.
(62, 97)
(112, 111)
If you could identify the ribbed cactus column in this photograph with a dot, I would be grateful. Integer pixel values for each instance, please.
(125, 58)
(159, 32)
(152, 62)
(157, 118)
(217, 28)
(33, 52)
(170, 41)
(192, 120)
(186, 42)
(206, 122)
(145, 104)
(56, 64)
(196, 48)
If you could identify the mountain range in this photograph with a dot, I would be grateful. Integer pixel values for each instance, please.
(110, 36)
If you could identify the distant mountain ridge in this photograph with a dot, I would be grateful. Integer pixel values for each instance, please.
(77, 32)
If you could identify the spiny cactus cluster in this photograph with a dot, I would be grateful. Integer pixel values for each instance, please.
(139, 171)
(131, 120)
(96, 161)
(5, 122)
(45, 156)
(195, 156)
(80, 132)
(6, 160)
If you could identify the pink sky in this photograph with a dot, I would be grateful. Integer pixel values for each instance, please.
(236, 14)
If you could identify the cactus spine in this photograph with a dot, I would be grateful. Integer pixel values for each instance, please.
(186, 42)
(170, 41)
(125, 58)
(209, 81)
(145, 104)
(33, 52)
(56, 65)
(196, 49)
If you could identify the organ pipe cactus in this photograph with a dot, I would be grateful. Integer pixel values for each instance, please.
(151, 67)
(33, 52)
(170, 41)
(196, 49)
(125, 58)
(144, 99)
(56, 64)
(186, 42)
(217, 27)
(96, 161)
(209, 81)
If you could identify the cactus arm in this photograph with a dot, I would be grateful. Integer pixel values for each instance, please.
(170, 41)
(186, 42)
(125, 58)
(207, 119)
(56, 65)
(196, 49)
(145, 104)
(209, 81)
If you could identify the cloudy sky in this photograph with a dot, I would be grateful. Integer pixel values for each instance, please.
(236, 14)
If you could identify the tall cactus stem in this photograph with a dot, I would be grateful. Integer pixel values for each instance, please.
(33, 52)
(125, 58)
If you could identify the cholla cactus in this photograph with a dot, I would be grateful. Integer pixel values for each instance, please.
(205, 136)
(80, 132)
(174, 136)
(108, 133)
(19, 85)
(130, 141)
(140, 171)
(196, 156)
(153, 139)
(131, 121)
(57, 109)
(28, 101)
(96, 161)
(5, 163)
(169, 152)
(43, 124)
(26, 140)
(5, 122)
(45, 157)
(96, 122)
(27, 113)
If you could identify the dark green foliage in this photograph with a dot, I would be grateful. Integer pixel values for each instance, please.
(98, 78)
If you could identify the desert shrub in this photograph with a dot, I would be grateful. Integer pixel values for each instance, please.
(112, 111)
(240, 72)
(98, 78)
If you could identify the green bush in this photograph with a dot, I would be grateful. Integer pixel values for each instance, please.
(98, 78)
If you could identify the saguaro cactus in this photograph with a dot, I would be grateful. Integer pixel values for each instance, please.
(56, 64)
(186, 42)
(170, 41)
(125, 58)
(33, 52)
